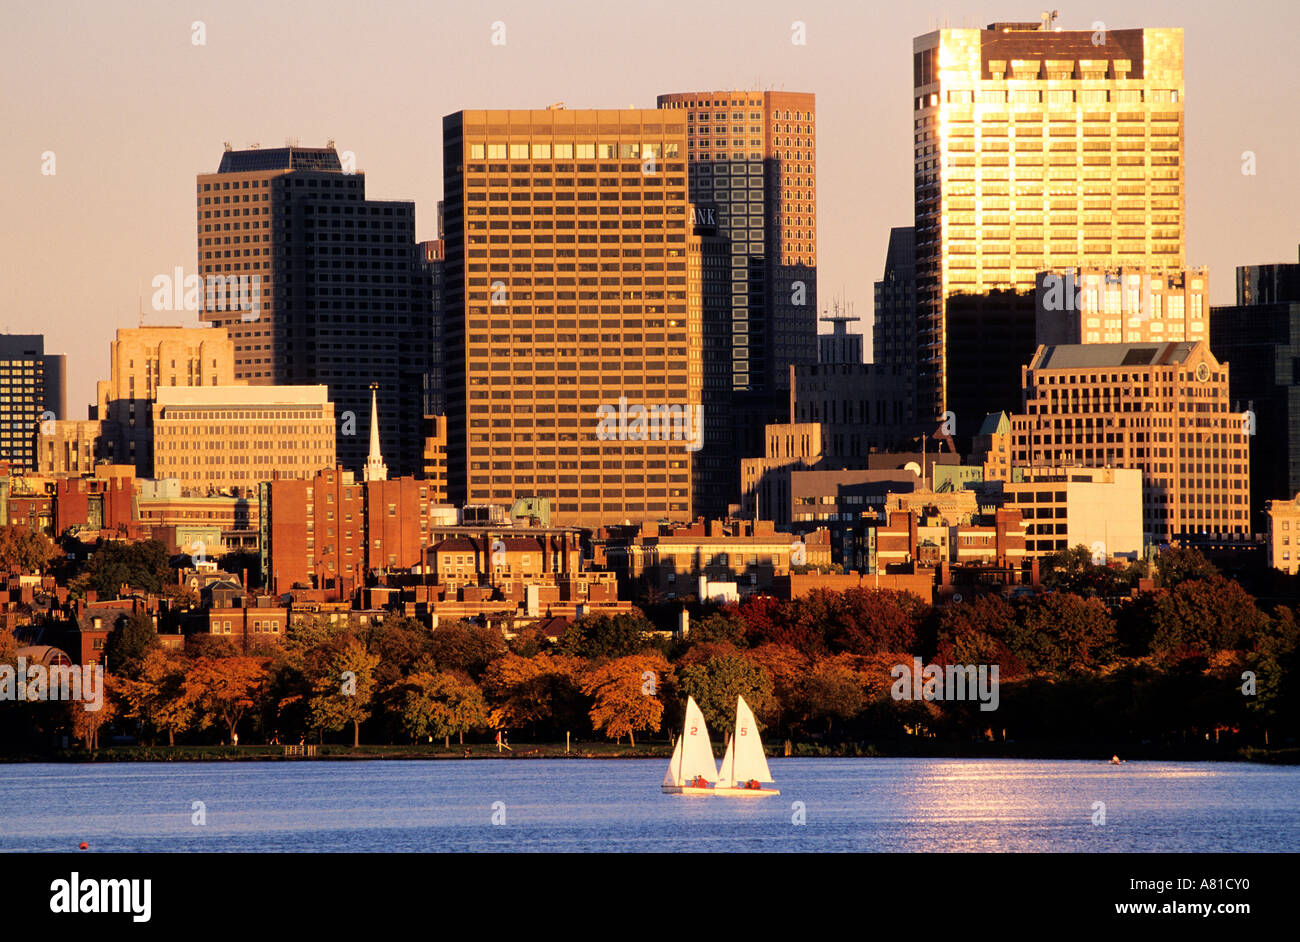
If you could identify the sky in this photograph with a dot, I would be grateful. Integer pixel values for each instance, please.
(132, 110)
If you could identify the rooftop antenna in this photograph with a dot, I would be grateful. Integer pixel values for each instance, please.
(1049, 18)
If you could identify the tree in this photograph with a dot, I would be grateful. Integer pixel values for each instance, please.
(1060, 631)
(132, 637)
(975, 633)
(342, 693)
(401, 643)
(86, 724)
(833, 690)
(1201, 616)
(725, 626)
(158, 697)
(534, 692)
(223, 688)
(625, 694)
(439, 703)
(717, 683)
(1176, 564)
(462, 646)
(597, 636)
(142, 565)
(25, 551)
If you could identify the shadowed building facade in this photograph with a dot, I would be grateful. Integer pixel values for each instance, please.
(343, 296)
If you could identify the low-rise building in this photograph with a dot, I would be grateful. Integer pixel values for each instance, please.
(1284, 534)
(231, 438)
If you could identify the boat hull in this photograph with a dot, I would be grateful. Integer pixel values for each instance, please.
(746, 792)
(686, 790)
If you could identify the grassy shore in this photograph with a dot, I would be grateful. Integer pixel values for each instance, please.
(917, 748)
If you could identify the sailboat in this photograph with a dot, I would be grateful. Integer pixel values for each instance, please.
(744, 767)
(691, 771)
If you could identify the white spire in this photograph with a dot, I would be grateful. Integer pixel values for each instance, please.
(376, 470)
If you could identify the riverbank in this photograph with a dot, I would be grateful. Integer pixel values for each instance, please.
(661, 750)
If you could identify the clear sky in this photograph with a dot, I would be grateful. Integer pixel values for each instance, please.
(133, 110)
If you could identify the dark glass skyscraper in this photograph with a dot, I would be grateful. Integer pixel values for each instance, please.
(342, 299)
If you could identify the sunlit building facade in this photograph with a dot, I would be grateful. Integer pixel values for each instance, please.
(1038, 149)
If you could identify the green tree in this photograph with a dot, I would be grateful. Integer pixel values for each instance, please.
(1176, 564)
(600, 635)
(439, 703)
(717, 682)
(832, 691)
(462, 646)
(132, 638)
(1060, 631)
(142, 565)
(342, 693)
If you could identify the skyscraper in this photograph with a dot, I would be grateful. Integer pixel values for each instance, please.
(1260, 337)
(32, 390)
(340, 298)
(1037, 148)
(753, 162)
(573, 347)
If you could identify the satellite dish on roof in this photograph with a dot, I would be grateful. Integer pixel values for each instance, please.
(913, 467)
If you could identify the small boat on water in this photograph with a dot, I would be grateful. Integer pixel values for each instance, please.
(692, 770)
(744, 766)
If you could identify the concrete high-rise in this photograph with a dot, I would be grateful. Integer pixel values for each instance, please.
(143, 360)
(32, 391)
(341, 299)
(1163, 408)
(572, 342)
(1037, 148)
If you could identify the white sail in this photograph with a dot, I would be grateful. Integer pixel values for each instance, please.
(697, 752)
(727, 771)
(673, 775)
(749, 762)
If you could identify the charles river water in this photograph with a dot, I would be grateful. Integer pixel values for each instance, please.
(541, 805)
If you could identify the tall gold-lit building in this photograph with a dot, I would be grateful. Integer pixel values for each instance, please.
(567, 312)
(1038, 148)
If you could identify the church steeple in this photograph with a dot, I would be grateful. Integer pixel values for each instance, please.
(375, 470)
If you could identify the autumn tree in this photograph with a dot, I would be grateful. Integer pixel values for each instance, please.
(343, 691)
(85, 723)
(442, 704)
(534, 692)
(1198, 617)
(23, 550)
(157, 697)
(625, 694)
(223, 688)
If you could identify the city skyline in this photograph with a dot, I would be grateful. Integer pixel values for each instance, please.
(861, 115)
